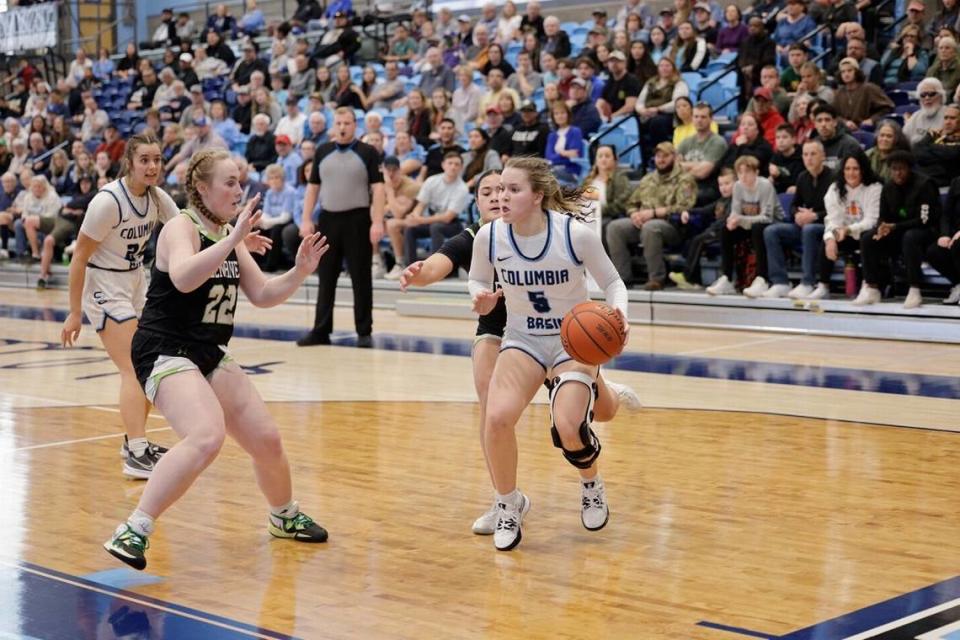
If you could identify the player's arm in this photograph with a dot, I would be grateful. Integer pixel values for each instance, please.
(269, 292)
(480, 283)
(589, 250)
(425, 272)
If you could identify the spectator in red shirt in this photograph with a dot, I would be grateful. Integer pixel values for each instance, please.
(112, 144)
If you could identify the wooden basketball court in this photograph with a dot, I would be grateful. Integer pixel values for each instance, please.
(775, 486)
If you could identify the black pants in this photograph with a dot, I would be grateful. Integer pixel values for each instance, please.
(698, 245)
(348, 234)
(847, 248)
(273, 259)
(946, 261)
(657, 129)
(729, 240)
(877, 254)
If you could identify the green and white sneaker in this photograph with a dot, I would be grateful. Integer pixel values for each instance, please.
(300, 527)
(129, 546)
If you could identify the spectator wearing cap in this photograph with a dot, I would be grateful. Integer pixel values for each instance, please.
(857, 101)
(703, 23)
(292, 123)
(248, 63)
(185, 71)
(768, 117)
(555, 40)
(946, 66)
(252, 22)
(596, 38)
(653, 218)
(917, 17)
(689, 50)
(733, 32)
(243, 111)
(464, 38)
(222, 22)
(204, 138)
(585, 114)
(910, 211)
(529, 138)
(756, 51)
(667, 24)
(287, 157)
(526, 80)
(197, 108)
(261, 145)
(792, 24)
(906, 59)
(620, 93)
(338, 6)
(636, 7)
(339, 44)
(500, 134)
(930, 115)
(938, 153)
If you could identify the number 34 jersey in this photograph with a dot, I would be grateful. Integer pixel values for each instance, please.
(541, 276)
(204, 315)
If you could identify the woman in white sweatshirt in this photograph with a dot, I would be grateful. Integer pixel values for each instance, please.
(853, 207)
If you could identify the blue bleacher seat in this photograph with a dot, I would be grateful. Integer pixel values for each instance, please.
(865, 138)
(899, 97)
(904, 109)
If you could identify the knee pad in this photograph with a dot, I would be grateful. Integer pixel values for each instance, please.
(585, 457)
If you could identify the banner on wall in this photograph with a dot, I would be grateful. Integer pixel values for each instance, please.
(32, 27)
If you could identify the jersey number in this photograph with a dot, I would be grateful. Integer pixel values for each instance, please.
(539, 301)
(222, 302)
(134, 254)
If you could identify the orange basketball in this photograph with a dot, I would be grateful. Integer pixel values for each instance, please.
(593, 333)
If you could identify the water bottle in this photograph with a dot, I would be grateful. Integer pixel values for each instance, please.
(850, 278)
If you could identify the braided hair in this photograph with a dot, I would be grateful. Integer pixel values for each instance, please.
(200, 169)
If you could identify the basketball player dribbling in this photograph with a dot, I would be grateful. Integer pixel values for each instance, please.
(457, 252)
(180, 358)
(540, 255)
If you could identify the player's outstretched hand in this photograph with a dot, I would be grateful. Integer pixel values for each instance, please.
(311, 250)
(248, 218)
(408, 275)
(257, 243)
(485, 300)
(71, 329)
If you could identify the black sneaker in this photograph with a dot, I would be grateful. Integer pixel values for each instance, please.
(140, 467)
(41, 283)
(364, 342)
(311, 339)
(129, 546)
(300, 527)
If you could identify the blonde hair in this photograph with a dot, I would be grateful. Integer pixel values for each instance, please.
(201, 169)
(274, 170)
(560, 199)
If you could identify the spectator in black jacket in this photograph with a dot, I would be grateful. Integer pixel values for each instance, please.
(711, 219)
(217, 48)
(248, 64)
(938, 152)
(530, 137)
(346, 44)
(756, 51)
(307, 10)
(555, 40)
(787, 161)
(261, 147)
(909, 220)
(244, 110)
(944, 254)
(222, 22)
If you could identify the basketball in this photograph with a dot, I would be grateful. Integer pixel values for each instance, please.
(593, 333)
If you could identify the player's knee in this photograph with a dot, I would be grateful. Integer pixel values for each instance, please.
(497, 421)
(209, 440)
(571, 430)
(269, 443)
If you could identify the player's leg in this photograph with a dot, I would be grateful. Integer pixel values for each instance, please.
(139, 456)
(188, 403)
(611, 396)
(485, 352)
(513, 384)
(571, 410)
(249, 423)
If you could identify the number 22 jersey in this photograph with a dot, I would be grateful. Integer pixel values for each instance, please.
(204, 315)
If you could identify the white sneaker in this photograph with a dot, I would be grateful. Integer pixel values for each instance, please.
(722, 287)
(509, 521)
(4, 254)
(868, 295)
(394, 273)
(954, 296)
(628, 397)
(800, 292)
(777, 291)
(757, 288)
(594, 512)
(822, 291)
(70, 248)
(486, 524)
(914, 298)
(376, 270)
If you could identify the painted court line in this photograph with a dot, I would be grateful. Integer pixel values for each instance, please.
(905, 620)
(61, 443)
(141, 602)
(737, 630)
(941, 633)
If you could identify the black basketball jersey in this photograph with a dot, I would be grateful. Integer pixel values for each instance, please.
(205, 315)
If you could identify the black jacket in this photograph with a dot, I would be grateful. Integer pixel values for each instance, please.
(939, 159)
(811, 192)
(914, 205)
(261, 150)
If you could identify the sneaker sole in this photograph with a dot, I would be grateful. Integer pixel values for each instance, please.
(137, 563)
(280, 533)
(136, 474)
(602, 524)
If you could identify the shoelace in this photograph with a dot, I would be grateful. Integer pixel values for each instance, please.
(133, 539)
(301, 521)
(592, 498)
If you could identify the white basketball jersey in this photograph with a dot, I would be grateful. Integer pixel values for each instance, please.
(542, 284)
(122, 223)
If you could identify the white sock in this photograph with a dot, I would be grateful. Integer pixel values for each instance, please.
(513, 498)
(137, 446)
(142, 523)
(590, 482)
(287, 510)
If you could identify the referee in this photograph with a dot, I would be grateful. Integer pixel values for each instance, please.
(352, 201)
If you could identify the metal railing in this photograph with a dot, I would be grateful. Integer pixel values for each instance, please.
(598, 137)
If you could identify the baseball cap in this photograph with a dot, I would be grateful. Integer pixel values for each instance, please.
(186, 57)
(391, 161)
(196, 88)
(580, 82)
(850, 61)
(494, 109)
(340, 14)
(283, 139)
(527, 105)
(763, 92)
(244, 89)
(599, 12)
(616, 54)
(666, 147)
(667, 11)
(705, 6)
(200, 122)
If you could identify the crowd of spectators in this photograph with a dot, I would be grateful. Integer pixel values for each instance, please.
(850, 154)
